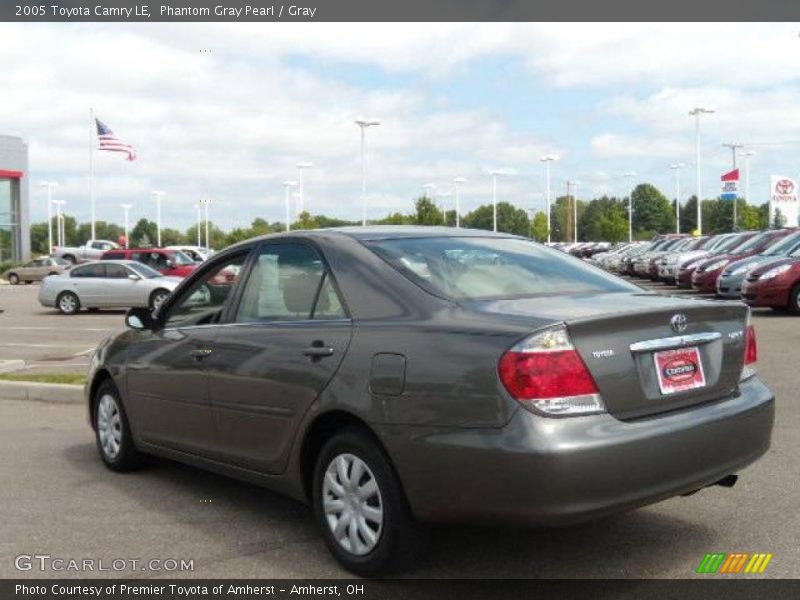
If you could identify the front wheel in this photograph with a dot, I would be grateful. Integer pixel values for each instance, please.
(13, 279)
(360, 507)
(112, 430)
(794, 300)
(157, 299)
(68, 303)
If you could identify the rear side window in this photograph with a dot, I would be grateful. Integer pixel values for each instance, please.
(93, 270)
(493, 268)
(288, 282)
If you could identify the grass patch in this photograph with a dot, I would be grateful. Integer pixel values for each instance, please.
(71, 378)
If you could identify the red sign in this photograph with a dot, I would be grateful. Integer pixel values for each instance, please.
(679, 370)
(4, 174)
(731, 176)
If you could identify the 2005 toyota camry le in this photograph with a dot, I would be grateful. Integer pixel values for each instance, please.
(392, 376)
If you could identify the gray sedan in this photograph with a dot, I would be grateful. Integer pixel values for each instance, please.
(106, 284)
(393, 376)
(36, 270)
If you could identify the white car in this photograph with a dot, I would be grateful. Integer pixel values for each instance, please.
(196, 253)
(106, 284)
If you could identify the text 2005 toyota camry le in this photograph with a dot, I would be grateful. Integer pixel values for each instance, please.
(393, 376)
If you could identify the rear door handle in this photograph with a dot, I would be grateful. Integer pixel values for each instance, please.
(318, 351)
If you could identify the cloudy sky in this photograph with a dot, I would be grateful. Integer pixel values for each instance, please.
(227, 110)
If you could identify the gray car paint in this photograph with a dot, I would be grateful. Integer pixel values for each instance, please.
(461, 445)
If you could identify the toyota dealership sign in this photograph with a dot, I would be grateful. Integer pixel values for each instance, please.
(783, 197)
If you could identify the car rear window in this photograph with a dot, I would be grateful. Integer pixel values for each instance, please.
(475, 268)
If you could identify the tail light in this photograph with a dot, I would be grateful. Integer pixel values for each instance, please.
(545, 374)
(750, 350)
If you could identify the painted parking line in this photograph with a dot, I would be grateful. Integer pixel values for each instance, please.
(23, 345)
(20, 328)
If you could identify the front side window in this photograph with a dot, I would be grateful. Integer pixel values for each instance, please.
(289, 282)
(203, 302)
(493, 268)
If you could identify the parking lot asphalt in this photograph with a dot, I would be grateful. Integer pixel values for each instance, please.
(44, 338)
(59, 500)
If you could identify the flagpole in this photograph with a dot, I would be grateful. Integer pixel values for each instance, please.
(91, 165)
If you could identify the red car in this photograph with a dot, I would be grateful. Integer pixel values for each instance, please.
(166, 262)
(686, 269)
(704, 278)
(776, 284)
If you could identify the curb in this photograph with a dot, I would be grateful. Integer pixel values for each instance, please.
(7, 366)
(59, 393)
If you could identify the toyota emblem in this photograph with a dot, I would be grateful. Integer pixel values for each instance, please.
(784, 186)
(678, 323)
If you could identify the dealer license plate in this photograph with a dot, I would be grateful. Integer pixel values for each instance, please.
(679, 370)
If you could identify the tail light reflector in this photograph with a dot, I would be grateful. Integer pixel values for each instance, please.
(750, 350)
(545, 374)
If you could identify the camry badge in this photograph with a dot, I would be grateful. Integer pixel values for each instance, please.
(678, 323)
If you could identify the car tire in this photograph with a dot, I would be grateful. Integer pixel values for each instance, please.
(68, 303)
(386, 538)
(13, 278)
(157, 299)
(112, 430)
(794, 300)
(70, 259)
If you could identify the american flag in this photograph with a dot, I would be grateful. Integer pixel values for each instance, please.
(110, 142)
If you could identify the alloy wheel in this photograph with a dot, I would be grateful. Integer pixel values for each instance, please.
(68, 303)
(158, 300)
(109, 426)
(351, 499)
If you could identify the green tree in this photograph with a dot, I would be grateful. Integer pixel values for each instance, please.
(778, 220)
(509, 219)
(172, 237)
(305, 221)
(539, 227)
(144, 234)
(652, 211)
(396, 219)
(427, 213)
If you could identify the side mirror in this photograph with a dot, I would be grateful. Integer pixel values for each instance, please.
(133, 277)
(140, 318)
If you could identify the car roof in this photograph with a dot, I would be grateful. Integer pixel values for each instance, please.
(378, 232)
(107, 261)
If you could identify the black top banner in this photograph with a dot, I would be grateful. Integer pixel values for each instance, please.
(394, 10)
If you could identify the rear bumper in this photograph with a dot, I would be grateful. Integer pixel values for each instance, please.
(557, 471)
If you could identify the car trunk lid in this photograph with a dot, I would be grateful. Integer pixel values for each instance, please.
(620, 336)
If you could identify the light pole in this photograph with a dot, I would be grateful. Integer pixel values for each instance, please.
(734, 147)
(302, 166)
(456, 182)
(495, 173)
(197, 208)
(157, 195)
(696, 112)
(442, 196)
(49, 185)
(547, 159)
(363, 124)
(206, 202)
(630, 206)
(747, 156)
(125, 209)
(287, 186)
(59, 227)
(676, 167)
(574, 184)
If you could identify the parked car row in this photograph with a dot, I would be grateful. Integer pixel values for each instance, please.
(760, 267)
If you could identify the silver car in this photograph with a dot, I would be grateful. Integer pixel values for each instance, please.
(36, 270)
(106, 284)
